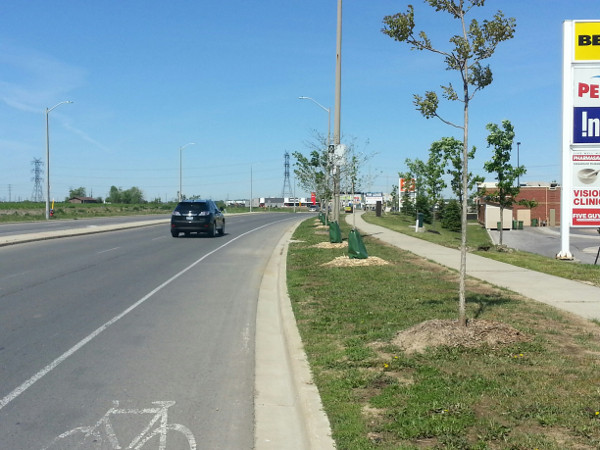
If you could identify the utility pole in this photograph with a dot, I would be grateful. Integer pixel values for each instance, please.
(336, 128)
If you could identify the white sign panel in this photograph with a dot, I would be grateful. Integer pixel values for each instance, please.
(580, 194)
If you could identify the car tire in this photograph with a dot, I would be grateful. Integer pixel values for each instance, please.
(222, 229)
(174, 233)
(213, 229)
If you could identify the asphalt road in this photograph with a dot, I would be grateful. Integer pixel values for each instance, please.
(15, 228)
(96, 330)
(546, 241)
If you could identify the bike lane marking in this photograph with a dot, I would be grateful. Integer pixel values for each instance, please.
(104, 425)
(46, 370)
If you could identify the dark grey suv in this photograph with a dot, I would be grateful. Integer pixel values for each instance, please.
(197, 216)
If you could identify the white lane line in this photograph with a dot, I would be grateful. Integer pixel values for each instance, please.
(108, 250)
(19, 274)
(46, 370)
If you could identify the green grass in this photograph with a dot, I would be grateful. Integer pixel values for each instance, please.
(32, 211)
(539, 393)
(479, 243)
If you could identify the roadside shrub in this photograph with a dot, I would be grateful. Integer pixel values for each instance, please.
(424, 207)
(451, 219)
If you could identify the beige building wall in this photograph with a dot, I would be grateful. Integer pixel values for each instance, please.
(492, 217)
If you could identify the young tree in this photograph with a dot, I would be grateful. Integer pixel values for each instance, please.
(451, 218)
(79, 192)
(475, 43)
(394, 199)
(407, 187)
(352, 177)
(133, 195)
(506, 191)
(451, 149)
(312, 173)
(417, 169)
(114, 196)
(434, 181)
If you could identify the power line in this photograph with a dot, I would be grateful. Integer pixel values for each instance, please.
(287, 188)
(37, 194)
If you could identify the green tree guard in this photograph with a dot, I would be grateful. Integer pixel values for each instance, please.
(356, 246)
(335, 235)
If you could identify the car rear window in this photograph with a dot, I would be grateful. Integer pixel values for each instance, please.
(194, 207)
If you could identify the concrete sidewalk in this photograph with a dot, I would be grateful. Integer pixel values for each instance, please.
(573, 296)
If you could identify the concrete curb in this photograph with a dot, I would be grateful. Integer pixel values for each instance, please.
(288, 410)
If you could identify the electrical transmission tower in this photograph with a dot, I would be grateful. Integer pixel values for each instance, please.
(287, 188)
(37, 194)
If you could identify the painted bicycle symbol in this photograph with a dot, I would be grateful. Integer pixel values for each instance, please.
(103, 434)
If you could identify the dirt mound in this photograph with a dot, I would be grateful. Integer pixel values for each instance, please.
(436, 333)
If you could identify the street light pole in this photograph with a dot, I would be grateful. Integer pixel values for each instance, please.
(328, 134)
(180, 167)
(337, 119)
(328, 116)
(48, 157)
(518, 165)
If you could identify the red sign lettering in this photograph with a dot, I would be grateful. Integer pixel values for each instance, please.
(592, 89)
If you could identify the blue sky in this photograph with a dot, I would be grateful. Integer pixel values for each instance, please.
(147, 77)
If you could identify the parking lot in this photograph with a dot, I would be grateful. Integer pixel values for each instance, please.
(546, 241)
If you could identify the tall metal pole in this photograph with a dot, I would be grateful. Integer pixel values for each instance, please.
(566, 212)
(336, 120)
(518, 165)
(48, 157)
(47, 167)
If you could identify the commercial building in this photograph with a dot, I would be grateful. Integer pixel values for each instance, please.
(544, 209)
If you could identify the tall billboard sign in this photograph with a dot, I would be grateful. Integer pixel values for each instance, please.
(580, 201)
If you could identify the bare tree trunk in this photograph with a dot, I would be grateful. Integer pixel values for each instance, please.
(501, 222)
(462, 315)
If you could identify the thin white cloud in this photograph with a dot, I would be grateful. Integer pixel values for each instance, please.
(83, 135)
(36, 79)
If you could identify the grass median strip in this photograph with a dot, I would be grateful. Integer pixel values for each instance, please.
(393, 373)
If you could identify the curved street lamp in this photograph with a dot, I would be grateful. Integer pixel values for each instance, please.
(180, 167)
(328, 116)
(48, 158)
